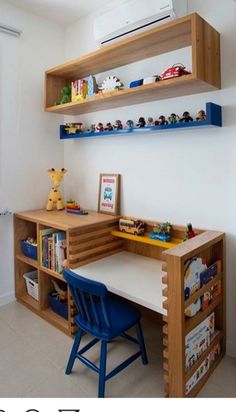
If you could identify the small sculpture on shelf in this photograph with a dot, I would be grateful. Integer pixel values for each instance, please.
(189, 232)
(73, 207)
(141, 122)
(111, 83)
(201, 116)
(130, 124)
(161, 231)
(55, 196)
(109, 126)
(118, 125)
(173, 118)
(161, 121)
(65, 96)
(150, 121)
(99, 127)
(186, 118)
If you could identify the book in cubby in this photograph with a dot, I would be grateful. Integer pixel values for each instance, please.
(52, 249)
(198, 340)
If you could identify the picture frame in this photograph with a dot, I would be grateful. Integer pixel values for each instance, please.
(109, 193)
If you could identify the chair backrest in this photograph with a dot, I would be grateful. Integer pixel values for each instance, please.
(90, 299)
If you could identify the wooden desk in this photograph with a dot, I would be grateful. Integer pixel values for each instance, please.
(134, 277)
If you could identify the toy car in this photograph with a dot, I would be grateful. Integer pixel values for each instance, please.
(176, 70)
(73, 128)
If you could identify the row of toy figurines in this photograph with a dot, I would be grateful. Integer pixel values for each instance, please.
(172, 119)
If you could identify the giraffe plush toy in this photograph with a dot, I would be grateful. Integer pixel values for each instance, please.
(55, 196)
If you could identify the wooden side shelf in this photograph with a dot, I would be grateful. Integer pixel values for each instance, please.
(190, 30)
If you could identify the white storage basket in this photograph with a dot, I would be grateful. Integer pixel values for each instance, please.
(31, 279)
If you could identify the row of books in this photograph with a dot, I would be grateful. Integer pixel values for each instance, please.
(52, 249)
(196, 343)
(197, 275)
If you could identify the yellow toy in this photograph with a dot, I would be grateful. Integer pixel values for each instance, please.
(55, 196)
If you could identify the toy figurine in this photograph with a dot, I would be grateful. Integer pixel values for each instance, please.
(162, 121)
(201, 116)
(186, 118)
(92, 128)
(65, 96)
(161, 231)
(189, 233)
(55, 196)
(118, 125)
(150, 121)
(141, 122)
(99, 127)
(109, 126)
(173, 118)
(130, 124)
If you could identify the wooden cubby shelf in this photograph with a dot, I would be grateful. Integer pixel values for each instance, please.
(213, 118)
(191, 30)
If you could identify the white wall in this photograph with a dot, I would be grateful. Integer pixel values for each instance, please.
(177, 176)
(29, 142)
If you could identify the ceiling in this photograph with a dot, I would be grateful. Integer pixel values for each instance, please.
(62, 12)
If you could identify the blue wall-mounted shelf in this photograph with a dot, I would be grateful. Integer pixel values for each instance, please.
(213, 118)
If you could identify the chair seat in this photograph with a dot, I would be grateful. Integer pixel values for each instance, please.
(122, 316)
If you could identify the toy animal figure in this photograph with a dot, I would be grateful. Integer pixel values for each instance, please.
(173, 118)
(99, 127)
(109, 126)
(201, 116)
(141, 122)
(92, 128)
(162, 121)
(65, 96)
(150, 121)
(55, 196)
(130, 124)
(186, 118)
(118, 125)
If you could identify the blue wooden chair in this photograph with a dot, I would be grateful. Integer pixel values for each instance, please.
(104, 317)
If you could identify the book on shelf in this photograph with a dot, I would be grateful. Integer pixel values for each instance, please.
(203, 277)
(203, 368)
(198, 340)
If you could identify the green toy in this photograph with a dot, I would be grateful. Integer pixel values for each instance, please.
(65, 96)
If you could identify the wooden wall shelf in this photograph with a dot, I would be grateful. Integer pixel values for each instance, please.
(213, 118)
(190, 30)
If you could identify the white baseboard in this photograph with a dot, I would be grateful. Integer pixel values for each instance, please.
(7, 298)
(231, 349)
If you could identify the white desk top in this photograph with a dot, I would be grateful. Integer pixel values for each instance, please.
(132, 276)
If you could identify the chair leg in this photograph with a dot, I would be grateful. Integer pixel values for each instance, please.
(74, 351)
(141, 343)
(102, 369)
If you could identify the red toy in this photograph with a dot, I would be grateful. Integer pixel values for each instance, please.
(176, 70)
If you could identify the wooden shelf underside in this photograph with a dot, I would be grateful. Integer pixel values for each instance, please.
(165, 89)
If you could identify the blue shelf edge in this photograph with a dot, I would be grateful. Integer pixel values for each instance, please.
(213, 118)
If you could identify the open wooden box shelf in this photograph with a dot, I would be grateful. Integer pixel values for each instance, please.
(190, 30)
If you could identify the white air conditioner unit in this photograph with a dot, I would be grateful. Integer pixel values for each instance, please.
(135, 16)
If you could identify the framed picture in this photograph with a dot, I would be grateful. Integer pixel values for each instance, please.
(109, 193)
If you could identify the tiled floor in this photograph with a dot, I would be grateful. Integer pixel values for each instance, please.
(33, 355)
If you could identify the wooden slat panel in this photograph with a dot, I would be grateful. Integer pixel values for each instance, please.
(86, 245)
(76, 237)
(94, 258)
(95, 251)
